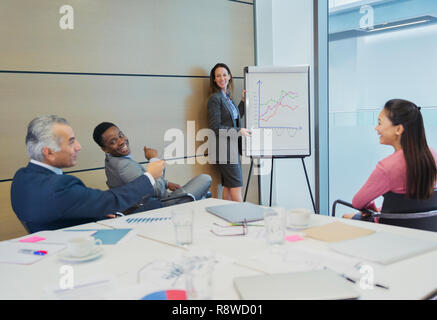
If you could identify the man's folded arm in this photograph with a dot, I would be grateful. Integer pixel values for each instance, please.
(82, 202)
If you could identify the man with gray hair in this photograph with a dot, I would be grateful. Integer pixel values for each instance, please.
(44, 198)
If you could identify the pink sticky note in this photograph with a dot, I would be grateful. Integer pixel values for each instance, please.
(293, 238)
(32, 239)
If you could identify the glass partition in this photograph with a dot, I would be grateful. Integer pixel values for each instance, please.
(378, 50)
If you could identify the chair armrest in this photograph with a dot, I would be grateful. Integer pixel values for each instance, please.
(179, 196)
(348, 204)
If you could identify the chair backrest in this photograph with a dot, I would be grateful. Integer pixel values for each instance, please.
(399, 210)
(395, 203)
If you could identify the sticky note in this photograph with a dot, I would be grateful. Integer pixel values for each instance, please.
(32, 239)
(293, 238)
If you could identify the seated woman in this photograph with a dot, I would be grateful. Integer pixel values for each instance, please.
(410, 170)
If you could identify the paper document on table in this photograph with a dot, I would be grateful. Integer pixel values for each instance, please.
(384, 247)
(56, 236)
(293, 259)
(92, 288)
(337, 231)
(139, 219)
(26, 253)
(309, 285)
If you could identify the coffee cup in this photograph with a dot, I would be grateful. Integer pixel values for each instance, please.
(83, 246)
(298, 218)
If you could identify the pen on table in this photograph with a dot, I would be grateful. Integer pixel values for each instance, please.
(249, 225)
(35, 252)
(375, 284)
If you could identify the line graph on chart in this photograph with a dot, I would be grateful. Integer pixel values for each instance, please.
(277, 109)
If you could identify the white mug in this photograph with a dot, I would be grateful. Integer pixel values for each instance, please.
(298, 217)
(83, 246)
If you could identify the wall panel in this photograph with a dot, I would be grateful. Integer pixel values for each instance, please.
(144, 66)
(152, 36)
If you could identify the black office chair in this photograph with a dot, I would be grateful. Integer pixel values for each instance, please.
(399, 210)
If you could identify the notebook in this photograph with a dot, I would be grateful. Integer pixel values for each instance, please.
(238, 212)
(337, 231)
(308, 285)
(384, 247)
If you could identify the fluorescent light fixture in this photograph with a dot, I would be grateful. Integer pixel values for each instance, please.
(398, 25)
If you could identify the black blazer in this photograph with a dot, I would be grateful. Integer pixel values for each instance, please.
(221, 121)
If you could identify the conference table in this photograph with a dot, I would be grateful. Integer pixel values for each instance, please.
(146, 260)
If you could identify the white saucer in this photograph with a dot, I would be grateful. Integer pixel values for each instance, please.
(98, 251)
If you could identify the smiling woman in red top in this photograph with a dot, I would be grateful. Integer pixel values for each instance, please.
(411, 169)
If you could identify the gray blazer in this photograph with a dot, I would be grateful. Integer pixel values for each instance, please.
(220, 120)
(122, 170)
(220, 114)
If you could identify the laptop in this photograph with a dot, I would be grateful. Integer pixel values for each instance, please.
(307, 285)
(238, 212)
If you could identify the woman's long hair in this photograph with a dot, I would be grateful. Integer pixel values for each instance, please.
(421, 166)
(213, 87)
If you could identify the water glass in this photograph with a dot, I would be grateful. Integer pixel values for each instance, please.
(183, 225)
(274, 224)
(198, 272)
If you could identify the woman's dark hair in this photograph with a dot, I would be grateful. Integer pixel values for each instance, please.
(213, 86)
(421, 166)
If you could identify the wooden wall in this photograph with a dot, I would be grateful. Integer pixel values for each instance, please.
(142, 65)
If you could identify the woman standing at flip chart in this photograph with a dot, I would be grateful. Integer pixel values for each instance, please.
(411, 169)
(225, 120)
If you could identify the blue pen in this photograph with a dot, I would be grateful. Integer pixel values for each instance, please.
(37, 252)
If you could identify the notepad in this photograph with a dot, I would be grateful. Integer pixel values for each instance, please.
(337, 231)
(384, 247)
(237, 213)
(308, 285)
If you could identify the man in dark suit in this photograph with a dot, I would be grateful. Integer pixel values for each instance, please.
(44, 198)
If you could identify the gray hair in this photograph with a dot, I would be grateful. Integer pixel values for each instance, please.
(40, 135)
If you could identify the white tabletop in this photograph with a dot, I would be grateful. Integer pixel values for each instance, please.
(115, 275)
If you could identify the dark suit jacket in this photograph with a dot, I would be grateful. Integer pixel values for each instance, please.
(43, 200)
(221, 121)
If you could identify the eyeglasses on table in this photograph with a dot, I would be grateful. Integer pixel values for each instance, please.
(232, 230)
